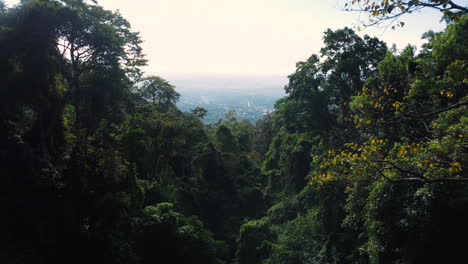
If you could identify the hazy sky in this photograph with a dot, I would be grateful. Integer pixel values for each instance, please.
(245, 36)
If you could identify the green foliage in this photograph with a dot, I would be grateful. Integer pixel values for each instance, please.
(199, 112)
(287, 161)
(299, 241)
(387, 171)
(364, 160)
(254, 242)
(413, 117)
(159, 92)
(78, 141)
(164, 234)
(225, 141)
(262, 134)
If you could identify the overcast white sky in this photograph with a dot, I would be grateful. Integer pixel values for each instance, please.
(254, 37)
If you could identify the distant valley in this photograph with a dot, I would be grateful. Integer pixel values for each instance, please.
(250, 96)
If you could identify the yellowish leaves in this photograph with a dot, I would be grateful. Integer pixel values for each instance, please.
(448, 94)
(375, 104)
(322, 179)
(406, 152)
(455, 167)
(402, 151)
(386, 91)
(458, 63)
(375, 141)
(349, 118)
(396, 105)
(341, 164)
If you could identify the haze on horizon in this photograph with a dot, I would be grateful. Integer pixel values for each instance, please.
(245, 37)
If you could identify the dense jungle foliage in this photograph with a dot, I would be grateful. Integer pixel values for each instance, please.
(364, 160)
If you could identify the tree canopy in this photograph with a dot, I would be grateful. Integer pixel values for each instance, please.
(363, 161)
(159, 92)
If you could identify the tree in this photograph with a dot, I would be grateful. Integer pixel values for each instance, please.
(91, 37)
(348, 61)
(321, 87)
(159, 92)
(409, 163)
(199, 112)
(225, 141)
(262, 134)
(2, 6)
(305, 107)
(87, 164)
(68, 65)
(163, 234)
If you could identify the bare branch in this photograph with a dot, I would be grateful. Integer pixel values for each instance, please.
(384, 11)
(419, 179)
(442, 110)
(401, 169)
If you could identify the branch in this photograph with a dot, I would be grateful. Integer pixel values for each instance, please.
(409, 115)
(421, 180)
(86, 51)
(418, 178)
(442, 110)
(455, 6)
(463, 180)
(435, 6)
(382, 174)
(407, 7)
(401, 169)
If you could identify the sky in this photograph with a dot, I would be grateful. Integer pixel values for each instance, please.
(246, 37)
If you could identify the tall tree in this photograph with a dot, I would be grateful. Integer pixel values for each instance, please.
(159, 92)
(68, 64)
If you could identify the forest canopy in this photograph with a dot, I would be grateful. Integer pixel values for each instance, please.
(363, 161)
